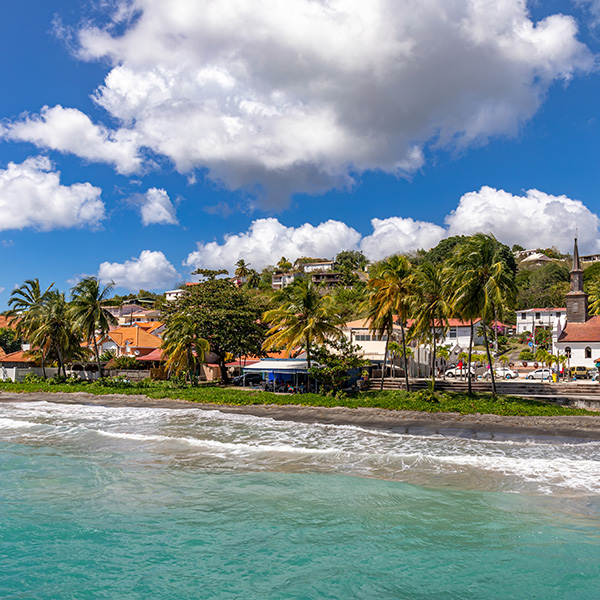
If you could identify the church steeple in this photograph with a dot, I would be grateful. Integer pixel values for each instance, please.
(577, 300)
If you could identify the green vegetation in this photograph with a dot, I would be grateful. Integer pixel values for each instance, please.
(422, 400)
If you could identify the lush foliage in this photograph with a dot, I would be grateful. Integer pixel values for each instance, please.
(336, 359)
(392, 400)
(227, 317)
(9, 341)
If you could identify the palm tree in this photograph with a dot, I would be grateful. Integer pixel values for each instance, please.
(483, 286)
(381, 324)
(395, 349)
(303, 318)
(253, 279)
(430, 307)
(54, 333)
(184, 347)
(242, 269)
(25, 304)
(89, 313)
(390, 295)
(284, 265)
(594, 296)
(444, 354)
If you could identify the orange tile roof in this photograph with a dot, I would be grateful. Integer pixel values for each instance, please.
(137, 337)
(150, 327)
(582, 332)
(18, 356)
(5, 322)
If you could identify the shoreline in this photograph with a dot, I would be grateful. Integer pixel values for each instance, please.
(472, 426)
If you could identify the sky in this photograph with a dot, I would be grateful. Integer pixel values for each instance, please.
(142, 139)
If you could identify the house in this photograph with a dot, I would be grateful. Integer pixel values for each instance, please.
(328, 279)
(372, 345)
(590, 258)
(175, 294)
(576, 334)
(129, 341)
(281, 280)
(537, 259)
(532, 318)
(320, 266)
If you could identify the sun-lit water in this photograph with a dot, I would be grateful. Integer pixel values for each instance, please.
(106, 502)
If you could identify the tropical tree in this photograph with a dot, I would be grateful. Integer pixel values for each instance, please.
(395, 349)
(389, 289)
(253, 279)
(594, 296)
(242, 269)
(25, 306)
(228, 317)
(183, 346)
(284, 265)
(89, 313)
(54, 334)
(483, 284)
(303, 318)
(443, 353)
(430, 307)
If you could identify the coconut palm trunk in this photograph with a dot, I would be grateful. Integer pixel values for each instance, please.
(489, 357)
(405, 357)
(385, 356)
(433, 354)
(469, 382)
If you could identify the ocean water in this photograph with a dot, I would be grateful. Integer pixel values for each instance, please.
(120, 503)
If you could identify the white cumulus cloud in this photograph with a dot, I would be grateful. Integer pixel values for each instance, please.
(156, 208)
(267, 240)
(395, 234)
(151, 271)
(70, 130)
(535, 219)
(31, 195)
(283, 97)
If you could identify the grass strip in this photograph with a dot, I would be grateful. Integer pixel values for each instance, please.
(480, 403)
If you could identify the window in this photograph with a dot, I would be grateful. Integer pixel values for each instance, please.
(523, 316)
(452, 333)
(588, 352)
(537, 316)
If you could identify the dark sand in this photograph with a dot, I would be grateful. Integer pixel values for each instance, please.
(565, 428)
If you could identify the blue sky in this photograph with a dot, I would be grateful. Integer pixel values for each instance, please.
(142, 139)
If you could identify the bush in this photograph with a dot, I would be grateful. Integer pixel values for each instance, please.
(526, 355)
(32, 378)
(124, 362)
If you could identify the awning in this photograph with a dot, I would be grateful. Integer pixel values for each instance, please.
(282, 366)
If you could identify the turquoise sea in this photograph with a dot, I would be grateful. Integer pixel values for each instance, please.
(120, 503)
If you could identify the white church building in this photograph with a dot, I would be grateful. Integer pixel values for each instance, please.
(577, 334)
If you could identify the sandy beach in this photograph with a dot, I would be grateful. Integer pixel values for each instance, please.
(474, 426)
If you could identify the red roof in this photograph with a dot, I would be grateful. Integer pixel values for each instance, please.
(582, 332)
(529, 310)
(156, 354)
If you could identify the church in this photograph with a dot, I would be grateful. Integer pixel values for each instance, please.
(577, 334)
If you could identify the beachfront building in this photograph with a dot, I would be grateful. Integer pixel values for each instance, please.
(129, 341)
(577, 335)
(534, 318)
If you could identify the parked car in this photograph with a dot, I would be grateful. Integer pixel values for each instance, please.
(248, 379)
(460, 372)
(502, 373)
(540, 374)
(580, 373)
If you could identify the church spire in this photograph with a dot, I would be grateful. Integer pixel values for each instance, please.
(577, 300)
(576, 261)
